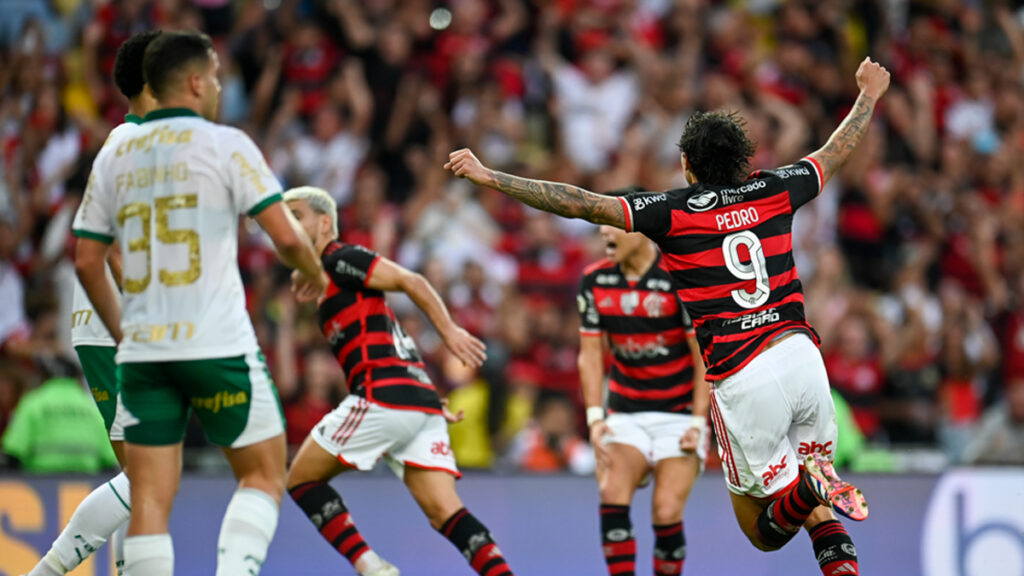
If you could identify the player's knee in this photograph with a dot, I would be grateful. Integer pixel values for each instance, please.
(666, 510)
(615, 493)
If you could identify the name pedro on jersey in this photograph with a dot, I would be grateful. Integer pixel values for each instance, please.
(737, 218)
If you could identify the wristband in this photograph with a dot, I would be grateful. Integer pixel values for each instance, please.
(594, 413)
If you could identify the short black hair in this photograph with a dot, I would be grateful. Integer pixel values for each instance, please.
(167, 56)
(717, 146)
(128, 75)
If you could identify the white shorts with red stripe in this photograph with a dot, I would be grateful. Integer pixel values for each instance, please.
(655, 434)
(359, 433)
(771, 414)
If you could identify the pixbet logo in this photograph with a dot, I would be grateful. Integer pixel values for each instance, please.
(813, 447)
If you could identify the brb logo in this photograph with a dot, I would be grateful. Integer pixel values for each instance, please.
(975, 525)
(807, 448)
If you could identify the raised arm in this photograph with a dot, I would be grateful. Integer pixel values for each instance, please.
(873, 81)
(564, 200)
(388, 276)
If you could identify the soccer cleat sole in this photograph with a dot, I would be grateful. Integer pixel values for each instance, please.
(843, 497)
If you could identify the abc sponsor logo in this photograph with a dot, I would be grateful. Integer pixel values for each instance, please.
(975, 525)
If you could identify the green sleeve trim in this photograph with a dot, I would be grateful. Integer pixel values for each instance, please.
(93, 236)
(114, 490)
(264, 204)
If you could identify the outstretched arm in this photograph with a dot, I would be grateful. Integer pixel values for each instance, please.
(387, 276)
(873, 81)
(564, 200)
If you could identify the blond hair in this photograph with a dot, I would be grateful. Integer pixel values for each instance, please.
(319, 201)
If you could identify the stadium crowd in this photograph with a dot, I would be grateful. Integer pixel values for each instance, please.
(912, 260)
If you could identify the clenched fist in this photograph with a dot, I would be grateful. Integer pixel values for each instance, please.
(464, 164)
(872, 78)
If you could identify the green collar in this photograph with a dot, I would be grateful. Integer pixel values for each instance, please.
(133, 118)
(169, 113)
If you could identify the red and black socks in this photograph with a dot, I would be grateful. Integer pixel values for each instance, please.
(784, 517)
(618, 541)
(669, 549)
(324, 507)
(834, 549)
(476, 543)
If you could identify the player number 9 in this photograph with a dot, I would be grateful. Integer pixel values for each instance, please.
(756, 269)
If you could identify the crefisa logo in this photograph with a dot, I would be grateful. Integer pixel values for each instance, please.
(975, 524)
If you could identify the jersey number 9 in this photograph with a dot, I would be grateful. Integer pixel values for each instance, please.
(164, 234)
(756, 269)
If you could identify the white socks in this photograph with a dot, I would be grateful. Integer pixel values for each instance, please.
(149, 555)
(102, 512)
(117, 541)
(245, 534)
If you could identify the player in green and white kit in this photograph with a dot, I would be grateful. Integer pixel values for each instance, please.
(103, 514)
(171, 195)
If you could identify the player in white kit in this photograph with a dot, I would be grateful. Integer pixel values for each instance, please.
(171, 194)
(104, 513)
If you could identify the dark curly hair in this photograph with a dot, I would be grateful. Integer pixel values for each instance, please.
(717, 147)
(128, 75)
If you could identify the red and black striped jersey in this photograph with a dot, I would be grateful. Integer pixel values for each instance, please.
(730, 252)
(647, 327)
(380, 360)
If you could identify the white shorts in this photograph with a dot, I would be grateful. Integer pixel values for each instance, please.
(771, 414)
(655, 434)
(359, 433)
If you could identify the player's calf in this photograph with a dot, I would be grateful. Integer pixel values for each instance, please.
(780, 521)
(618, 540)
(669, 549)
(328, 512)
(834, 549)
(476, 543)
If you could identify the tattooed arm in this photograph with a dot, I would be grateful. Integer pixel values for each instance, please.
(873, 81)
(562, 199)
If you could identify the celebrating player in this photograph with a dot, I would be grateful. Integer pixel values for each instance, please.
(657, 396)
(727, 241)
(103, 514)
(392, 410)
(170, 192)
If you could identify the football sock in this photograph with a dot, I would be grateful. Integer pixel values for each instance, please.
(96, 518)
(245, 534)
(325, 509)
(669, 549)
(834, 549)
(476, 544)
(618, 541)
(151, 554)
(784, 517)
(117, 541)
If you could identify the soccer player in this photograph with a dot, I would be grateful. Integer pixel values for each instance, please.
(171, 192)
(103, 514)
(657, 396)
(393, 410)
(726, 239)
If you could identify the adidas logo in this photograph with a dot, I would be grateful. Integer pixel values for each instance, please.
(845, 568)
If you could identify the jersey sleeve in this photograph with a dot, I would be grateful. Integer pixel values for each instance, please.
(590, 319)
(351, 266)
(687, 321)
(647, 212)
(95, 218)
(253, 185)
(803, 181)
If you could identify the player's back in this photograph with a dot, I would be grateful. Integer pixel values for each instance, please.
(174, 191)
(730, 251)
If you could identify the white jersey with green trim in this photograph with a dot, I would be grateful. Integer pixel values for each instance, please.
(171, 194)
(86, 327)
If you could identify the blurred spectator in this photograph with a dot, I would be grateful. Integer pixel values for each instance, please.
(56, 427)
(1000, 436)
(552, 442)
